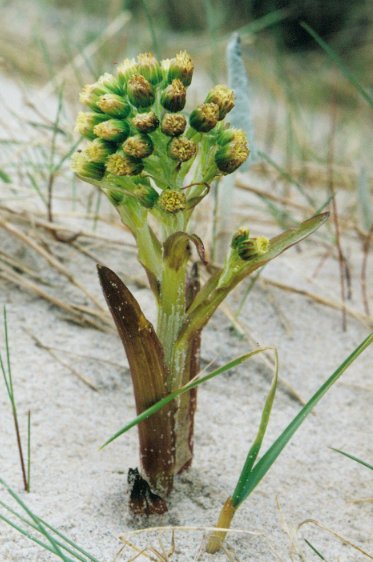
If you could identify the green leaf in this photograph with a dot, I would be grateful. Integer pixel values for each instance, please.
(175, 249)
(176, 393)
(265, 463)
(256, 446)
(211, 295)
(352, 457)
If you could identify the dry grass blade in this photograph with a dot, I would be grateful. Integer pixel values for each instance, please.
(337, 305)
(341, 257)
(55, 263)
(25, 218)
(265, 357)
(18, 265)
(165, 556)
(88, 52)
(55, 356)
(76, 312)
(364, 266)
(272, 197)
(341, 538)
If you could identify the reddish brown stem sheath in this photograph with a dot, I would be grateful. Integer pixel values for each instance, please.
(149, 377)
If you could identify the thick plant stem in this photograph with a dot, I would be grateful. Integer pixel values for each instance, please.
(183, 363)
(171, 314)
(224, 522)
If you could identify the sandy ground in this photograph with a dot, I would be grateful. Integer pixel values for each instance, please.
(82, 490)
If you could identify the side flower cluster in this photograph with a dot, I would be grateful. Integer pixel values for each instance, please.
(135, 125)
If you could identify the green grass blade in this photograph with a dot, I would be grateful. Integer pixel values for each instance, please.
(256, 446)
(265, 463)
(33, 526)
(338, 61)
(352, 457)
(40, 527)
(272, 18)
(289, 178)
(193, 384)
(314, 549)
(26, 534)
(90, 556)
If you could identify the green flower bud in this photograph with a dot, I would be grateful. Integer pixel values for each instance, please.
(123, 165)
(112, 130)
(182, 149)
(223, 97)
(242, 235)
(149, 67)
(172, 201)
(125, 70)
(231, 135)
(230, 156)
(173, 124)
(98, 150)
(174, 96)
(181, 67)
(89, 96)
(253, 247)
(140, 91)
(85, 168)
(109, 83)
(113, 105)
(204, 117)
(86, 122)
(146, 122)
(138, 146)
(146, 194)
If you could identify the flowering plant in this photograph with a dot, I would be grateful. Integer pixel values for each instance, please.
(156, 165)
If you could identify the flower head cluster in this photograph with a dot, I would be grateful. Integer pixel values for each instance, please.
(136, 126)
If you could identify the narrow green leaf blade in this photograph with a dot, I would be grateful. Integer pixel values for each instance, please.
(265, 463)
(211, 295)
(55, 548)
(349, 456)
(257, 443)
(193, 384)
